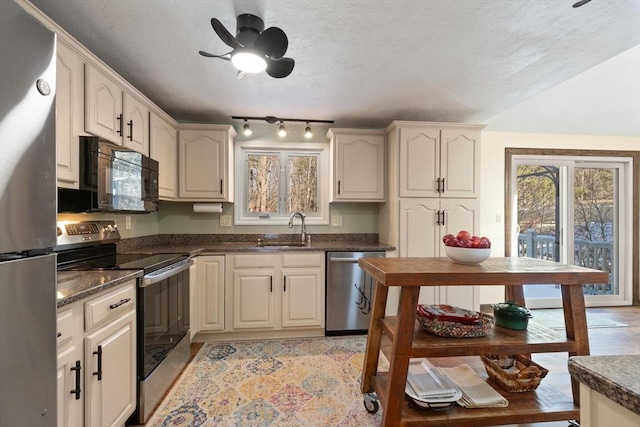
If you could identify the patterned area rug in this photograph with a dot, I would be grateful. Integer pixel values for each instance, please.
(293, 383)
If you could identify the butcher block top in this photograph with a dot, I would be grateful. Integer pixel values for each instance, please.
(493, 271)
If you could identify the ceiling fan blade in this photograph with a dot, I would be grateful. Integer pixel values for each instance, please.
(280, 68)
(224, 34)
(226, 56)
(273, 42)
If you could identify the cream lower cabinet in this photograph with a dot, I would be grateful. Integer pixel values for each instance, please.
(276, 291)
(357, 165)
(111, 372)
(70, 390)
(423, 222)
(209, 302)
(98, 335)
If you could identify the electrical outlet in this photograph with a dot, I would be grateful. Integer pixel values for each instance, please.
(127, 222)
(498, 219)
(336, 221)
(225, 220)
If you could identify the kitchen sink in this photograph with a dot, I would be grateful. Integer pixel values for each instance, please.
(262, 244)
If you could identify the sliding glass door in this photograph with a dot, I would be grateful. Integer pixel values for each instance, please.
(574, 211)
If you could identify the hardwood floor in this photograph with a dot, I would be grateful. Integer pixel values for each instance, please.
(602, 341)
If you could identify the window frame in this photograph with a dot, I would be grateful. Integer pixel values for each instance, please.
(243, 149)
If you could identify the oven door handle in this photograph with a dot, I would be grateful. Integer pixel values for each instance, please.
(152, 278)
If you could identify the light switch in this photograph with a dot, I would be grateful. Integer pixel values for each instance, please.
(336, 220)
(225, 220)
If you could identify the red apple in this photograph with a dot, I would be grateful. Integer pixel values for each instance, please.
(447, 237)
(463, 235)
(452, 241)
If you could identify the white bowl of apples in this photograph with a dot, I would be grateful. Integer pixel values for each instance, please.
(465, 248)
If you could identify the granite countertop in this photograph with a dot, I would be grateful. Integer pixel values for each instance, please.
(616, 377)
(195, 244)
(76, 285)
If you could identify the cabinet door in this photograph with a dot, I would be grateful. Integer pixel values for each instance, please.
(136, 124)
(111, 399)
(461, 214)
(210, 271)
(419, 162)
(69, 406)
(103, 106)
(302, 297)
(419, 235)
(460, 163)
(69, 114)
(202, 165)
(164, 149)
(359, 167)
(254, 299)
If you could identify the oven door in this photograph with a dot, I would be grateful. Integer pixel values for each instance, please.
(163, 315)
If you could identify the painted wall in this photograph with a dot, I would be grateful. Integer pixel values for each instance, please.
(180, 218)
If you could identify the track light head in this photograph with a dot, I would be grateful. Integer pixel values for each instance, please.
(282, 132)
(307, 132)
(246, 129)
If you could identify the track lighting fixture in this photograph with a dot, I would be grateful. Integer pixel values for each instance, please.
(282, 131)
(246, 129)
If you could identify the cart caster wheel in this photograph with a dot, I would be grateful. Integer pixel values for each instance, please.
(371, 404)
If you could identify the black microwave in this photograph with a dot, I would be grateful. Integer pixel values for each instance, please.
(112, 179)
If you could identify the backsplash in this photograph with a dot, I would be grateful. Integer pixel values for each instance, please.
(179, 218)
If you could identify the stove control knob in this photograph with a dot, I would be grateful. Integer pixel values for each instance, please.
(109, 228)
(58, 231)
(115, 227)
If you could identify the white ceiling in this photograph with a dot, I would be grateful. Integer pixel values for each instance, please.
(362, 63)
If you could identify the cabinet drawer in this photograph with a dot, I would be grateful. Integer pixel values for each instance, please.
(109, 306)
(64, 326)
(294, 259)
(254, 260)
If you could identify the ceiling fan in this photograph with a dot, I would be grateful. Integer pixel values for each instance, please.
(254, 48)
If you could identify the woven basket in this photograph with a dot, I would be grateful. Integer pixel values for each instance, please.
(457, 330)
(515, 373)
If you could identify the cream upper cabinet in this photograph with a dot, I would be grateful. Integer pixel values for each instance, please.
(164, 149)
(103, 106)
(206, 163)
(69, 114)
(113, 113)
(423, 222)
(357, 165)
(437, 159)
(136, 124)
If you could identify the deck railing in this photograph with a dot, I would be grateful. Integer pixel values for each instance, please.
(596, 255)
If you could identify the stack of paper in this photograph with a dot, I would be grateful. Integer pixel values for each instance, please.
(475, 392)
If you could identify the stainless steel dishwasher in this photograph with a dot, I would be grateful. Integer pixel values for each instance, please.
(349, 293)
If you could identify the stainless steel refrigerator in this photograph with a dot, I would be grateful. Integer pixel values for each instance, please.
(27, 220)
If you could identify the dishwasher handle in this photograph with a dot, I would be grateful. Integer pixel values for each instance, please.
(351, 260)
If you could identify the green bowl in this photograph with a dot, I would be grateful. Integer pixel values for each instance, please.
(510, 315)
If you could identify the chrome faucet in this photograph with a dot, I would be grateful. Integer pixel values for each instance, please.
(303, 229)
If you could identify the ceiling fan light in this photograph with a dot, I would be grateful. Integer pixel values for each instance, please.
(246, 129)
(248, 61)
(282, 132)
(307, 132)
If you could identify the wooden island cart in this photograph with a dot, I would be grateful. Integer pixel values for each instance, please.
(406, 339)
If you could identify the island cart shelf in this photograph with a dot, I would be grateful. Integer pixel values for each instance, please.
(407, 340)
